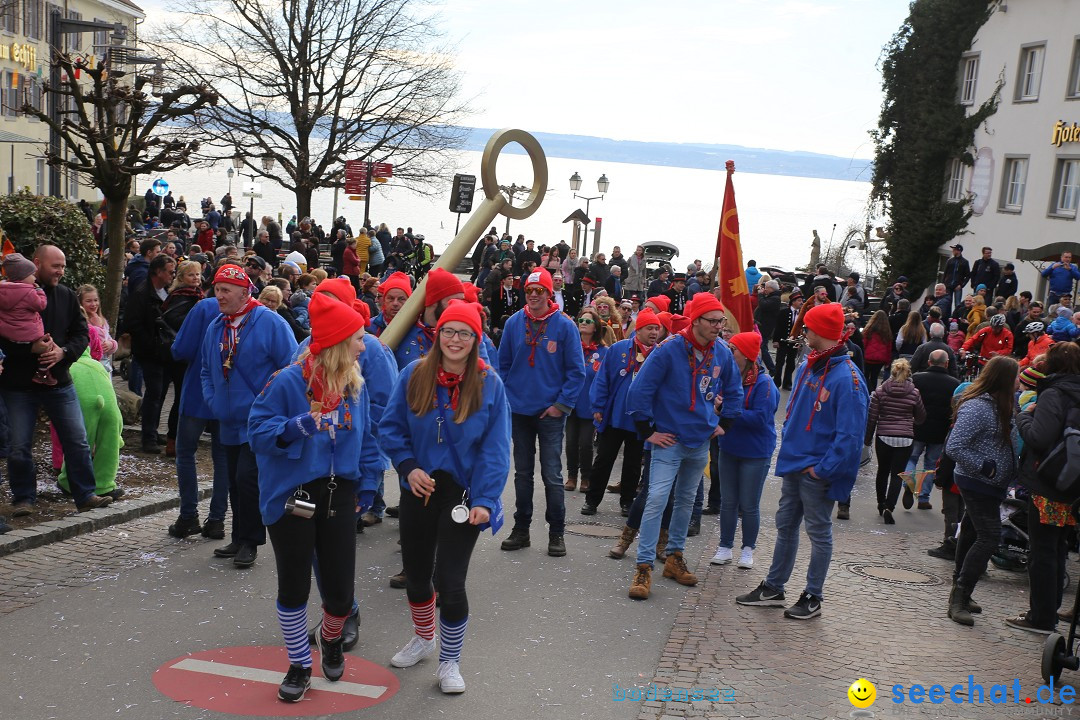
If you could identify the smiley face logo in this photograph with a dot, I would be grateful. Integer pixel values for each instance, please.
(862, 693)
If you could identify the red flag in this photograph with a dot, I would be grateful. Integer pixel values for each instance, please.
(731, 277)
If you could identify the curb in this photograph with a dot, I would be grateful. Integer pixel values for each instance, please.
(83, 523)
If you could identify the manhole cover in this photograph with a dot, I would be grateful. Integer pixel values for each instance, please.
(589, 530)
(894, 574)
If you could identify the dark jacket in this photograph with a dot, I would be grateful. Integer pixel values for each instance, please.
(64, 321)
(266, 251)
(895, 408)
(921, 359)
(1006, 286)
(599, 271)
(785, 320)
(936, 386)
(615, 292)
(957, 272)
(767, 314)
(1043, 429)
(140, 321)
(985, 272)
(984, 452)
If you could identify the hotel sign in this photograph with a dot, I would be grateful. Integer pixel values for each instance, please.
(24, 54)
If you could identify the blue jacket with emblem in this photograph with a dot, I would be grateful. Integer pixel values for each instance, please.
(753, 434)
(593, 362)
(416, 345)
(557, 370)
(665, 398)
(825, 425)
(187, 347)
(266, 345)
(482, 442)
(609, 391)
(352, 454)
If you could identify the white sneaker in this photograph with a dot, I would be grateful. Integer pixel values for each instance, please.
(450, 680)
(417, 649)
(722, 556)
(746, 559)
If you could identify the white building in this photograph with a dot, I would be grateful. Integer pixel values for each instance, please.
(1026, 178)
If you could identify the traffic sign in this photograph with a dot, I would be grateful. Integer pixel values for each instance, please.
(461, 195)
(244, 680)
(160, 187)
(251, 190)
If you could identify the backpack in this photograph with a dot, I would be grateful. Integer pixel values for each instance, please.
(1060, 468)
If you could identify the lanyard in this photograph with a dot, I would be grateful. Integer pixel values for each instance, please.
(441, 420)
(696, 368)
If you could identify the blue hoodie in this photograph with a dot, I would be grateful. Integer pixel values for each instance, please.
(482, 442)
(753, 276)
(593, 362)
(660, 395)
(187, 347)
(753, 434)
(1060, 277)
(825, 425)
(266, 345)
(1062, 329)
(351, 455)
(557, 370)
(609, 391)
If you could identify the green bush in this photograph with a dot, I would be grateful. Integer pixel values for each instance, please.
(30, 220)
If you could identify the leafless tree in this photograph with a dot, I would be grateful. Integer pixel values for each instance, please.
(110, 129)
(313, 83)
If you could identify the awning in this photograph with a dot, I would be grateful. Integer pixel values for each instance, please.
(1048, 252)
(578, 215)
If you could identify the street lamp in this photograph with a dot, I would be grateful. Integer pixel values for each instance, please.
(602, 185)
(238, 164)
(230, 173)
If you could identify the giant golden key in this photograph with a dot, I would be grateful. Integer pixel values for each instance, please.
(494, 204)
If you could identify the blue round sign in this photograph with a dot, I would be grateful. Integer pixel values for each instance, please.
(160, 187)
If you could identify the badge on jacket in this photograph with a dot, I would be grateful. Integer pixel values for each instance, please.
(552, 346)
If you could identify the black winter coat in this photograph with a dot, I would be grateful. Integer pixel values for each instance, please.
(1044, 428)
(936, 386)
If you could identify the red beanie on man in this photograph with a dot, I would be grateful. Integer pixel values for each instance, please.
(646, 317)
(662, 302)
(365, 311)
(826, 320)
(441, 285)
(396, 281)
(331, 322)
(701, 304)
(540, 277)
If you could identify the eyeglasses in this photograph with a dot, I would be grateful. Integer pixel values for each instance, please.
(535, 291)
(450, 334)
(585, 321)
(715, 322)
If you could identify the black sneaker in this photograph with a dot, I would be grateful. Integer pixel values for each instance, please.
(808, 606)
(944, 551)
(184, 527)
(296, 683)
(908, 499)
(762, 596)
(710, 510)
(843, 512)
(625, 511)
(392, 511)
(588, 509)
(887, 514)
(556, 546)
(518, 539)
(331, 657)
(693, 529)
(229, 551)
(245, 556)
(214, 529)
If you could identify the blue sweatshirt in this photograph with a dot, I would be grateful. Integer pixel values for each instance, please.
(829, 438)
(593, 362)
(482, 442)
(1060, 277)
(266, 345)
(660, 395)
(753, 434)
(187, 347)
(1062, 330)
(352, 454)
(557, 371)
(609, 391)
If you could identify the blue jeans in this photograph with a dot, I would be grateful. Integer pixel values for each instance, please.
(188, 431)
(378, 505)
(637, 509)
(4, 433)
(679, 467)
(61, 405)
(741, 483)
(802, 497)
(135, 377)
(526, 430)
(699, 502)
(933, 453)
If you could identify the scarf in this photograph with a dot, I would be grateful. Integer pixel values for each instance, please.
(182, 291)
(451, 382)
(815, 362)
(230, 339)
(749, 380)
(816, 356)
(426, 333)
(317, 392)
(587, 350)
(636, 350)
(692, 344)
(532, 336)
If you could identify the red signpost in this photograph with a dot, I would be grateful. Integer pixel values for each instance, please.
(358, 174)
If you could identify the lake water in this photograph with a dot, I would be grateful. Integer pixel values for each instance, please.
(678, 205)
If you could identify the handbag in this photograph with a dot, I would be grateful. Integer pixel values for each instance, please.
(496, 518)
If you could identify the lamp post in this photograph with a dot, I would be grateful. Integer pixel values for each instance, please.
(511, 191)
(230, 173)
(267, 167)
(601, 185)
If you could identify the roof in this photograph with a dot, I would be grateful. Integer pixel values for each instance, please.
(1047, 253)
(10, 137)
(578, 215)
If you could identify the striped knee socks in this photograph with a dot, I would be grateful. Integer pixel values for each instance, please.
(293, 623)
(423, 618)
(451, 637)
(331, 626)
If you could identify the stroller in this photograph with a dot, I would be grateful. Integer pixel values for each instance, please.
(1059, 653)
(1012, 553)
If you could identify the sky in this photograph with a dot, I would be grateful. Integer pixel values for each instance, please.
(778, 74)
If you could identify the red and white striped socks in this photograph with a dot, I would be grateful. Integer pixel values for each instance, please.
(423, 618)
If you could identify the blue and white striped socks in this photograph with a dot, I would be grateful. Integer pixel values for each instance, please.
(451, 637)
(293, 623)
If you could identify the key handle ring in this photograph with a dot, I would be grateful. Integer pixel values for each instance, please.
(488, 165)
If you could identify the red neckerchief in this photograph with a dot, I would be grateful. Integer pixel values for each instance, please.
(635, 349)
(428, 334)
(231, 335)
(692, 344)
(183, 291)
(451, 382)
(815, 356)
(749, 380)
(812, 361)
(532, 337)
(317, 384)
(586, 350)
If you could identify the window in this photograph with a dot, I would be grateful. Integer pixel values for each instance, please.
(954, 192)
(74, 39)
(72, 183)
(8, 15)
(1030, 73)
(33, 19)
(1066, 188)
(1013, 181)
(967, 81)
(9, 95)
(32, 90)
(101, 38)
(41, 176)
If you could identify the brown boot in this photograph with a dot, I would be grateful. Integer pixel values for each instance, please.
(170, 447)
(571, 484)
(618, 551)
(675, 568)
(661, 546)
(584, 487)
(642, 584)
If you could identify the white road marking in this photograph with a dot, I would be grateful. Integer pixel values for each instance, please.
(242, 672)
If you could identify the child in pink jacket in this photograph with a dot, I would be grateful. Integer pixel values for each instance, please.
(21, 305)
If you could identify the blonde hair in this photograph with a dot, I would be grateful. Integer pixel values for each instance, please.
(184, 267)
(339, 367)
(271, 292)
(615, 315)
(319, 274)
(901, 370)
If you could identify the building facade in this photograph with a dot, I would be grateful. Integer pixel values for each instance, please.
(1025, 184)
(25, 55)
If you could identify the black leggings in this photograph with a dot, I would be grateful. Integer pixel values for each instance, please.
(891, 461)
(434, 546)
(579, 448)
(332, 539)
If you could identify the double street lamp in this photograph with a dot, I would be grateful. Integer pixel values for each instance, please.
(238, 166)
(601, 185)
